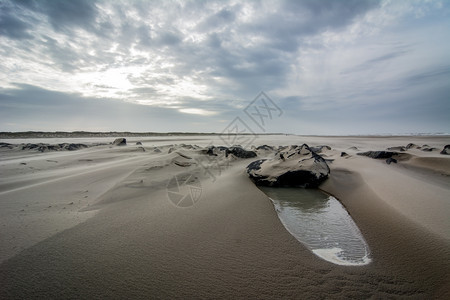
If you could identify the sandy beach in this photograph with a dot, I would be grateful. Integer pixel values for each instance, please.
(105, 222)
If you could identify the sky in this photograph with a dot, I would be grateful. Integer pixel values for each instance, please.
(325, 67)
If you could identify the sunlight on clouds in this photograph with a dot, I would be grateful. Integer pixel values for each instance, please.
(197, 111)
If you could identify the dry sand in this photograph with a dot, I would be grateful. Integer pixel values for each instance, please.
(98, 223)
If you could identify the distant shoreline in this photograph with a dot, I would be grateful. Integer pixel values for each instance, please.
(84, 134)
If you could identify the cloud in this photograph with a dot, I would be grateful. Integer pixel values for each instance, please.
(11, 26)
(62, 15)
(208, 59)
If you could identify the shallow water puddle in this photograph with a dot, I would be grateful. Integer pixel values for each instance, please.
(321, 223)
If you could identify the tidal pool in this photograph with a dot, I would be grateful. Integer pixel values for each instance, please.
(321, 223)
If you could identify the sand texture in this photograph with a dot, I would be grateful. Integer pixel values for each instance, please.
(106, 222)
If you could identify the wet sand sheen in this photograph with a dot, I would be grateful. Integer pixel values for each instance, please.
(321, 223)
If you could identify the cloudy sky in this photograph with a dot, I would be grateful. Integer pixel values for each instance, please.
(331, 67)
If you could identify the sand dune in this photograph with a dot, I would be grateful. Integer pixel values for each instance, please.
(99, 222)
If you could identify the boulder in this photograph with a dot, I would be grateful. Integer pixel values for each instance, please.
(343, 154)
(446, 150)
(240, 152)
(120, 142)
(378, 154)
(297, 166)
(138, 143)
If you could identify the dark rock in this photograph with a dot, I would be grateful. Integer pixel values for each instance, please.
(391, 160)
(214, 151)
(397, 148)
(58, 147)
(411, 145)
(30, 146)
(446, 150)
(429, 149)
(138, 143)
(120, 142)
(265, 148)
(319, 149)
(6, 145)
(73, 147)
(240, 152)
(42, 148)
(343, 154)
(294, 166)
(378, 154)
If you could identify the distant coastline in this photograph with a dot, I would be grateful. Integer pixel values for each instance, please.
(85, 134)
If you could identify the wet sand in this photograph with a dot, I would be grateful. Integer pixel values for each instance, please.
(98, 222)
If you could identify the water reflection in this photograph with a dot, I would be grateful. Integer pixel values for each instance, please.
(321, 223)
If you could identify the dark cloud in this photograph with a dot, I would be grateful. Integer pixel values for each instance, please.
(11, 26)
(64, 14)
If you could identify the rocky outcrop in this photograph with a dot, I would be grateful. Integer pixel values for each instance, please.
(264, 148)
(237, 151)
(378, 154)
(320, 149)
(214, 151)
(57, 147)
(293, 166)
(240, 152)
(120, 142)
(411, 145)
(6, 145)
(446, 150)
